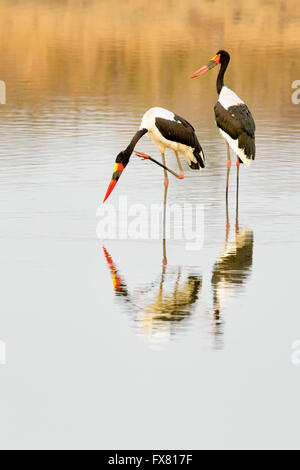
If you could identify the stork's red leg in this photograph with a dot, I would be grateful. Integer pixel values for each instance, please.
(227, 185)
(237, 194)
(181, 175)
(144, 156)
(166, 184)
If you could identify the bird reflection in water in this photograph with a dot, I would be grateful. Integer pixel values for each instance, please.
(230, 273)
(161, 308)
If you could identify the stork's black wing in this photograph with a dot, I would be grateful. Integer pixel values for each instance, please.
(235, 120)
(183, 121)
(238, 123)
(181, 131)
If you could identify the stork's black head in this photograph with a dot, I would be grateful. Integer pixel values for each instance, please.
(224, 56)
(123, 157)
(121, 162)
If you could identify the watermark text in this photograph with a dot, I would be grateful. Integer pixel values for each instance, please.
(2, 92)
(2, 353)
(295, 356)
(183, 222)
(296, 94)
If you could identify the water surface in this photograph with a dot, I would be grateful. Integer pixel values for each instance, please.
(106, 346)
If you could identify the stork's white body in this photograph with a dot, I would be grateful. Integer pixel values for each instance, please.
(235, 147)
(148, 122)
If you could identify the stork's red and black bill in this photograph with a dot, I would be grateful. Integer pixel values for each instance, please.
(119, 167)
(212, 63)
(115, 176)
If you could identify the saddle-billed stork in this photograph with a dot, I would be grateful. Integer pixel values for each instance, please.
(166, 130)
(233, 119)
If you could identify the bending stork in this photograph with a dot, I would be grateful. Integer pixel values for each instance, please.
(166, 130)
(234, 120)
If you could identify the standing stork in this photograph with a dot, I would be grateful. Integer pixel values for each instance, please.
(234, 121)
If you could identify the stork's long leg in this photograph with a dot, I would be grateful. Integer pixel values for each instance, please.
(166, 184)
(237, 194)
(181, 175)
(144, 156)
(164, 253)
(227, 185)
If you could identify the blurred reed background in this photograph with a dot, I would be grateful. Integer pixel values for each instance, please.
(79, 76)
(145, 51)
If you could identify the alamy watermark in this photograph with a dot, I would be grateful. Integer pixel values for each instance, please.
(183, 222)
(2, 92)
(2, 353)
(295, 356)
(296, 94)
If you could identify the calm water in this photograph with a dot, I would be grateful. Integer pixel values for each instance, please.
(105, 346)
